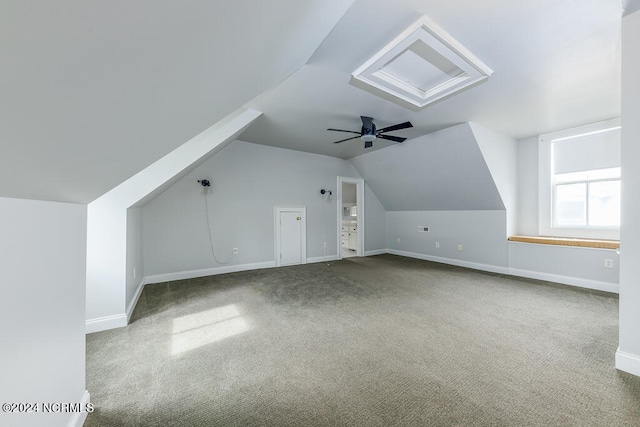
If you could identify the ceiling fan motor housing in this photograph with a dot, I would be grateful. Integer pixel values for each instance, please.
(368, 132)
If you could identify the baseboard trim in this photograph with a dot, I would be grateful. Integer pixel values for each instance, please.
(322, 259)
(191, 274)
(566, 280)
(628, 362)
(451, 261)
(78, 418)
(376, 252)
(134, 300)
(107, 322)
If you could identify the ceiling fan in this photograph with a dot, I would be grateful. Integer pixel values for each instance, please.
(369, 133)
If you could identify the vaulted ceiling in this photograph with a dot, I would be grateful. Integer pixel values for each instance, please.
(556, 64)
(91, 92)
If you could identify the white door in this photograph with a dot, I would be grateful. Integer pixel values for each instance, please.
(290, 236)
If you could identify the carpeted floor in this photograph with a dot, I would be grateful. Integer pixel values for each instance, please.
(378, 341)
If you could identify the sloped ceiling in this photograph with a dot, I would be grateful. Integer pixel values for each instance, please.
(556, 64)
(444, 170)
(91, 92)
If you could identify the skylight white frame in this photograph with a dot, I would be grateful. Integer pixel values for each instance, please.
(426, 30)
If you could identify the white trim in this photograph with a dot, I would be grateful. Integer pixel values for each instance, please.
(191, 274)
(302, 211)
(134, 300)
(451, 261)
(628, 362)
(424, 30)
(78, 418)
(566, 280)
(361, 213)
(107, 322)
(376, 252)
(322, 259)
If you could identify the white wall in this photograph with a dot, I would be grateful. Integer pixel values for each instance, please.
(248, 180)
(500, 154)
(42, 272)
(527, 193)
(135, 259)
(628, 356)
(482, 235)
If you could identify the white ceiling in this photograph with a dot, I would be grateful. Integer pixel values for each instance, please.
(91, 92)
(556, 64)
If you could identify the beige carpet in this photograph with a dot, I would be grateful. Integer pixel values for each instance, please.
(379, 341)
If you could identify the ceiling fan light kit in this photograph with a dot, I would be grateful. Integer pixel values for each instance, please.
(369, 133)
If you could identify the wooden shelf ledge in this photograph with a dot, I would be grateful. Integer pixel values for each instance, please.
(561, 241)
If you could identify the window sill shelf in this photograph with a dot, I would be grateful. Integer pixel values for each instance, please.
(561, 241)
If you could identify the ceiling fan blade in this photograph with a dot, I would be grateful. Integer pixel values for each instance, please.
(343, 140)
(396, 127)
(392, 138)
(342, 130)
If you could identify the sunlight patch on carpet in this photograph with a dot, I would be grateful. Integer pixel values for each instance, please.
(206, 327)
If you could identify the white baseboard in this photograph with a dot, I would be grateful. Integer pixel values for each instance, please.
(566, 280)
(628, 362)
(322, 259)
(134, 300)
(191, 274)
(107, 322)
(376, 252)
(451, 261)
(78, 418)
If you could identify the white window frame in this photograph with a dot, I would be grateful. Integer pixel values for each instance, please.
(546, 187)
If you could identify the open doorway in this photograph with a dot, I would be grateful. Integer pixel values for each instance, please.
(350, 217)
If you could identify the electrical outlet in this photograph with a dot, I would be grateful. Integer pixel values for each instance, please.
(398, 239)
(437, 244)
(324, 245)
(459, 248)
(235, 251)
(608, 263)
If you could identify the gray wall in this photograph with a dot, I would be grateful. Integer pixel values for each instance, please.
(135, 257)
(443, 170)
(349, 193)
(248, 180)
(482, 235)
(375, 222)
(42, 272)
(565, 264)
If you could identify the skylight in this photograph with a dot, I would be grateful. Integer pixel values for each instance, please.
(422, 65)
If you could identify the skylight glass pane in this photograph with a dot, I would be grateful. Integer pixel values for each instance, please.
(604, 204)
(416, 71)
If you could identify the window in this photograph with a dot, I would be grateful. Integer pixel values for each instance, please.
(580, 182)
